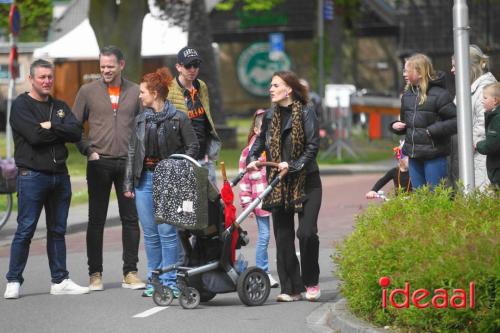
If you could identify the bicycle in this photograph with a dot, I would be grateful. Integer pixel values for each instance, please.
(6, 204)
(8, 176)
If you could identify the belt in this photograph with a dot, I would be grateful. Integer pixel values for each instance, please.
(23, 169)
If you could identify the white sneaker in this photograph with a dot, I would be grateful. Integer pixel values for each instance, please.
(288, 298)
(67, 287)
(272, 281)
(12, 290)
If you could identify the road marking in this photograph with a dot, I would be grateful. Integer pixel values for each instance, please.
(150, 312)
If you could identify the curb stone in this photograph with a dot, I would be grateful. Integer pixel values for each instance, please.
(341, 320)
(318, 320)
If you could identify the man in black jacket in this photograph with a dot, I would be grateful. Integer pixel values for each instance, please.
(41, 126)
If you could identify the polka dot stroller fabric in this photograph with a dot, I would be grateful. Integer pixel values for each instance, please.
(180, 194)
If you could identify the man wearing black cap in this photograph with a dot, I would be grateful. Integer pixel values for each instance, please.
(190, 95)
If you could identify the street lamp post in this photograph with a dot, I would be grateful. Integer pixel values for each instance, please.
(321, 69)
(14, 25)
(462, 85)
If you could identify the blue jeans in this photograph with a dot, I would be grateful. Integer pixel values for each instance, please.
(160, 240)
(34, 191)
(261, 256)
(427, 172)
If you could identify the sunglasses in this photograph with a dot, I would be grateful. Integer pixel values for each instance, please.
(191, 65)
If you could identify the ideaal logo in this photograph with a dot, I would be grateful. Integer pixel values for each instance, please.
(440, 297)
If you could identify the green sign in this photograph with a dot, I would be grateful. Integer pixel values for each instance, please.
(255, 69)
(249, 19)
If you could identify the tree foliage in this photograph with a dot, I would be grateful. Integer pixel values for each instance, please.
(348, 10)
(174, 11)
(36, 17)
(256, 5)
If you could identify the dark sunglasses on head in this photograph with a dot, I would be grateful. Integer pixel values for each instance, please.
(191, 65)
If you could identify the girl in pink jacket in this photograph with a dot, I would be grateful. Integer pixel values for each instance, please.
(253, 184)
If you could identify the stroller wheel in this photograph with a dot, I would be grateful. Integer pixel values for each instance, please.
(163, 296)
(189, 298)
(253, 286)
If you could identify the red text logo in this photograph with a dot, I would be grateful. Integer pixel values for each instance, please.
(440, 297)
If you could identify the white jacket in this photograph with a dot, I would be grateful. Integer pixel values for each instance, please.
(478, 131)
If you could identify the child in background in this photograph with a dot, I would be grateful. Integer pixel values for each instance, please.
(428, 119)
(491, 145)
(399, 175)
(253, 184)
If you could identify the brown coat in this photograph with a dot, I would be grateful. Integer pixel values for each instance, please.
(108, 134)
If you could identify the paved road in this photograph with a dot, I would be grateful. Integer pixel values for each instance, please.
(114, 309)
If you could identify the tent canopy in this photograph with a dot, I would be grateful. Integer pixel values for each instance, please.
(159, 38)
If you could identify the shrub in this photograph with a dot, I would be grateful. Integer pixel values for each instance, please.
(432, 241)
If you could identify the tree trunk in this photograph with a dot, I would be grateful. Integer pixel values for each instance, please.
(121, 25)
(200, 37)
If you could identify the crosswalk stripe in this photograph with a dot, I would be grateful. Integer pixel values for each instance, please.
(150, 312)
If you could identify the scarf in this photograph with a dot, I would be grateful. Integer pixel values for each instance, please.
(154, 129)
(289, 194)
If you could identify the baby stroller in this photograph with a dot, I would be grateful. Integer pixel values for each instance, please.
(208, 267)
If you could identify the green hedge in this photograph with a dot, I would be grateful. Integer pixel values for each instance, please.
(430, 240)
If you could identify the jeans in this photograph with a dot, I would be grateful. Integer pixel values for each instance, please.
(286, 260)
(160, 240)
(427, 172)
(101, 174)
(34, 191)
(261, 256)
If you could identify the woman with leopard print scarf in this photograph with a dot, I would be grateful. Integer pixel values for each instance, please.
(290, 134)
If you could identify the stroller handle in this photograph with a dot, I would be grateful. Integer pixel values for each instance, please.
(240, 175)
(272, 165)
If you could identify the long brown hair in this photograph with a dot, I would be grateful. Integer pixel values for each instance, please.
(299, 92)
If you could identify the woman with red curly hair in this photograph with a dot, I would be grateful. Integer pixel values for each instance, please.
(160, 131)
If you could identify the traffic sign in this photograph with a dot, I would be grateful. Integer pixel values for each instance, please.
(328, 10)
(14, 20)
(276, 45)
(339, 95)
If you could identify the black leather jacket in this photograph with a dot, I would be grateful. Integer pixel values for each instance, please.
(178, 138)
(311, 132)
(429, 126)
